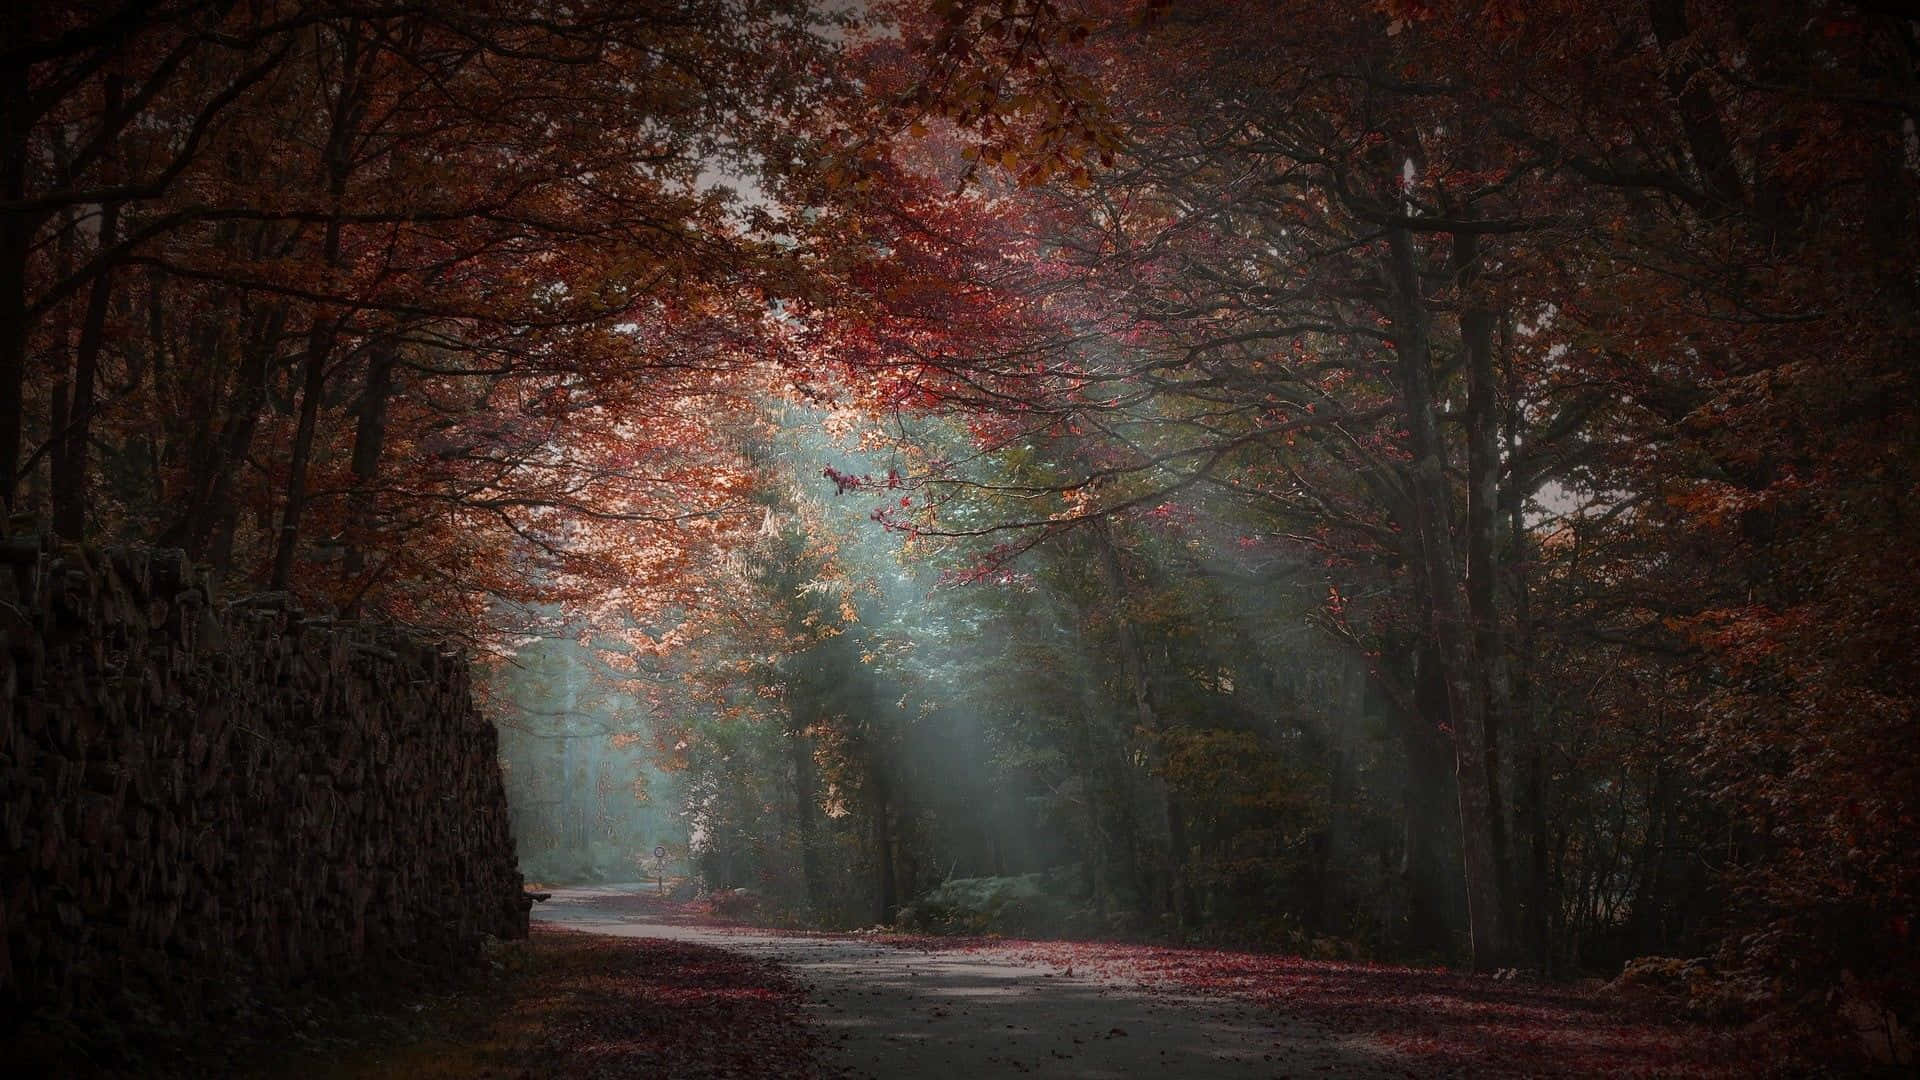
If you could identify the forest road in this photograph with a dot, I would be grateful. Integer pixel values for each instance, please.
(891, 1013)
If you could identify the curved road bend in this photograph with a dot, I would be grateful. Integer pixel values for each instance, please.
(894, 1014)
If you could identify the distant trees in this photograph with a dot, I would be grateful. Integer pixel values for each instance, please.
(1146, 718)
(1438, 471)
(1571, 343)
(588, 801)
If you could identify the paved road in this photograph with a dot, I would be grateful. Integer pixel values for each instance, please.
(901, 1013)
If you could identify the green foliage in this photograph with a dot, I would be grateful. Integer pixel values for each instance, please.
(1025, 905)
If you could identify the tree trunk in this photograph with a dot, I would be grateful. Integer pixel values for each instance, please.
(1175, 887)
(1531, 800)
(1706, 136)
(214, 512)
(805, 811)
(1432, 889)
(1483, 521)
(1344, 695)
(909, 876)
(16, 240)
(319, 347)
(70, 479)
(1096, 871)
(15, 235)
(369, 441)
(886, 899)
(326, 324)
(1449, 623)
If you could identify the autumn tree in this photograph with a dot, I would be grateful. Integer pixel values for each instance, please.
(1437, 326)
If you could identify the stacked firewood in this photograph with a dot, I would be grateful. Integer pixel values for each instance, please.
(203, 800)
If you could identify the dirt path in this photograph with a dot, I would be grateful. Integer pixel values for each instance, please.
(897, 1013)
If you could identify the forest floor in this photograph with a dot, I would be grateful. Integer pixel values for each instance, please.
(562, 1004)
(892, 1005)
(617, 981)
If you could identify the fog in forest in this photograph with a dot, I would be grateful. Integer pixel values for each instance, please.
(1427, 483)
(588, 802)
(1127, 728)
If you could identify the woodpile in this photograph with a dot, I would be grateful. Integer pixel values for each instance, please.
(200, 801)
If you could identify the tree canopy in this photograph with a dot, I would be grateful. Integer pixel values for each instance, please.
(1428, 478)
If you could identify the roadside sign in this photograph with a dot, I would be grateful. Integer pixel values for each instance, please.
(659, 851)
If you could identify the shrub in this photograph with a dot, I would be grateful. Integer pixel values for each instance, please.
(1016, 906)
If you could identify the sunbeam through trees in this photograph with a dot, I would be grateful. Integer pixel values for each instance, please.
(1407, 481)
